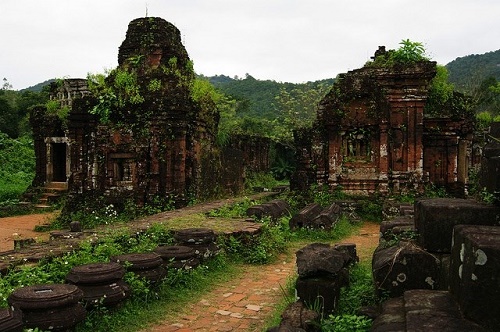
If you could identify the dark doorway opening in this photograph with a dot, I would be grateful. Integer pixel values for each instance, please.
(59, 162)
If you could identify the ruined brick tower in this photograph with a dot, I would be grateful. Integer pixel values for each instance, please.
(371, 134)
(140, 134)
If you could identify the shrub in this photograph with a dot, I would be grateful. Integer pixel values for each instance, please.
(17, 167)
(359, 293)
(262, 249)
(263, 180)
(370, 210)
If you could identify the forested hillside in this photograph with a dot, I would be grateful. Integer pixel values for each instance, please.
(257, 98)
(468, 72)
(478, 76)
(39, 87)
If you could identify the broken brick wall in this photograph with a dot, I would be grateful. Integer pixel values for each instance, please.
(44, 127)
(149, 145)
(256, 151)
(447, 152)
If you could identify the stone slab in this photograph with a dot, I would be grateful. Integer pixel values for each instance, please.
(475, 270)
(435, 219)
(403, 267)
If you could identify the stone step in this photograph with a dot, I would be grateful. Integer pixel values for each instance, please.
(42, 206)
(59, 185)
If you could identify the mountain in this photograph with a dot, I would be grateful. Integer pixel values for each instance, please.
(38, 87)
(258, 96)
(467, 73)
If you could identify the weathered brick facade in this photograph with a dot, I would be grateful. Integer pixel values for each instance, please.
(371, 135)
(153, 139)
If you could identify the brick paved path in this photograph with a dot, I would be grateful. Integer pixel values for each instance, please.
(244, 303)
(241, 304)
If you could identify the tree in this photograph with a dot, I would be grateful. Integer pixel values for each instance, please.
(14, 109)
(296, 109)
(6, 85)
(440, 92)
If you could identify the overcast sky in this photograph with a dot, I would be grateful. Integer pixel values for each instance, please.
(283, 40)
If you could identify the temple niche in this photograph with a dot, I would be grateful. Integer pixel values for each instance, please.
(140, 134)
(372, 135)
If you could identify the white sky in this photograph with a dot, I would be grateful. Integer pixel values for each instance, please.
(283, 40)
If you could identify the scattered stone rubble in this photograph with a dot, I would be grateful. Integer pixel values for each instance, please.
(446, 277)
(313, 216)
(323, 270)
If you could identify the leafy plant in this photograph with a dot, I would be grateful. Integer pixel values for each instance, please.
(409, 52)
(434, 191)
(370, 209)
(259, 250)
(260, 180)
(359, 293)
(440, 92)
(346, 323)
(154, 85)
(282, 169)
(324, 196)
(394, 239)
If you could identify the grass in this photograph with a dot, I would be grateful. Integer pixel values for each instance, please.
(343, 228)
(359, 293)
(165, 302)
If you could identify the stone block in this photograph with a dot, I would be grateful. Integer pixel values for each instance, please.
(320, 293)
(319, 259)
(392, 317)
(327, 218)
(444, 271)
(283, 206)
(390, 229)
(427, 310)
(304, 216)
(300, 318)
(435, 219)
(475, 273)
(406, 209)
(273, 209)
(349, 249)
(403, 267)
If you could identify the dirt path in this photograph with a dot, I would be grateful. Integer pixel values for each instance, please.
(245, 302)
(22, 227)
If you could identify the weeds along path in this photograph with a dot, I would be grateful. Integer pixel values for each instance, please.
(247, 301)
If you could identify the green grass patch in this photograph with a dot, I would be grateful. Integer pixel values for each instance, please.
(359, 293)
(343, 228)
